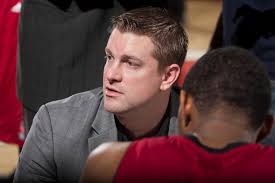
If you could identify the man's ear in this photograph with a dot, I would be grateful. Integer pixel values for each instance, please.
(184, 114)
(170, 76)
(266, 128)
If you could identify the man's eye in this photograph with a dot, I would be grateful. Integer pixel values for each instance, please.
(108, 57)
(130, 63)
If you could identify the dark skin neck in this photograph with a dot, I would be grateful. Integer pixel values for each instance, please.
(219, 131)
(220, 124)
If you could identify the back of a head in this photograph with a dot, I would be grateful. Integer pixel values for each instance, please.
(168, 35)
(230, 77)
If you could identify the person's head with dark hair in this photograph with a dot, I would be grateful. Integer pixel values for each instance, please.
(144, 55)
(226, 95)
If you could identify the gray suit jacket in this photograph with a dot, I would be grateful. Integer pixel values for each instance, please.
(63, 134)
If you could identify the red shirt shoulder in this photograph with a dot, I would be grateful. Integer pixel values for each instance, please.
(178, 159)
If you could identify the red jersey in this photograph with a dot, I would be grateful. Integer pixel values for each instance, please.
(182, 159)
(10, 107)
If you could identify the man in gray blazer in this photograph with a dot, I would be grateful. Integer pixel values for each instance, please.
(144, 54)
(61, 46)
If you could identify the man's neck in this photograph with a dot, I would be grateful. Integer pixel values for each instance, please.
(145, 120)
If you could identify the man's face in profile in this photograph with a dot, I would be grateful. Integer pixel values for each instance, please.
(131, 76)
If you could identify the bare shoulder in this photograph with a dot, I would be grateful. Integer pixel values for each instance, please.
(103, 162)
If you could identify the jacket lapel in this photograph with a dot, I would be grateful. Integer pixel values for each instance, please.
(103, 128)
(107, 136)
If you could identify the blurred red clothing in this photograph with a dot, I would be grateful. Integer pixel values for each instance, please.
(10, 107)
(184, 70)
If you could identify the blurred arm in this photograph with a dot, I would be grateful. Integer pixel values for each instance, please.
(103, 162)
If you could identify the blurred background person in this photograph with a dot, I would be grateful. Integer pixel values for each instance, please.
(11, 133)
(10, 107)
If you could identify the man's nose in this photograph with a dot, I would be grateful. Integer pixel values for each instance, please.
(114, 73)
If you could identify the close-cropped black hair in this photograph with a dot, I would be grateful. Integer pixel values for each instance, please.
(233, 77)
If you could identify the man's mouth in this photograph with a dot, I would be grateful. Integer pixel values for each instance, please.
(112, 92)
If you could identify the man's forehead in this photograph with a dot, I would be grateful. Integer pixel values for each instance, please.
(129, 43)
(129, 36)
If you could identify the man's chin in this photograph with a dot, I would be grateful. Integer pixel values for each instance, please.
(110, 108)
(115, 109)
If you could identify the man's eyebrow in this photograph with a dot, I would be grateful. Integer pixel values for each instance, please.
(131, 57)
(108, 51)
